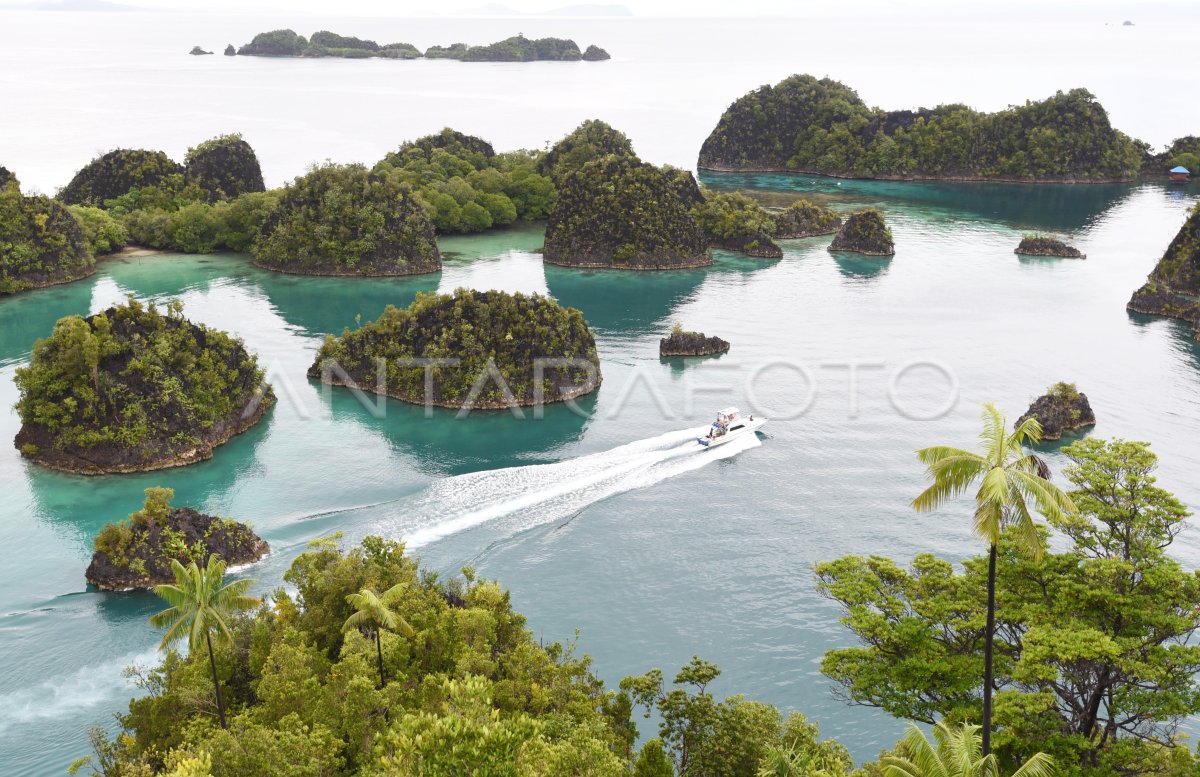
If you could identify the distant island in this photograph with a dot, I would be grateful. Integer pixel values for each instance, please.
(288, 43)
(820, 126)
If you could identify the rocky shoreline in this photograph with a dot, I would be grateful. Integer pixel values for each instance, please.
(714, 168)
(1038, 245)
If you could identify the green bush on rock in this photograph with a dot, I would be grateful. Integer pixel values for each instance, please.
(102, 233)
(735, 222)
(617, 212)
(496, 338)
(865, 232)
(115, 173)
(806, 219)
(134, 389)
(345, 220)
(822, 126)
(41, 242)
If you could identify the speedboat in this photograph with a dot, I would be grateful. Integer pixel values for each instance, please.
(730, 425)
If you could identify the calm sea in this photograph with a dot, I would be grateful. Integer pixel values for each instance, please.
(610, 524)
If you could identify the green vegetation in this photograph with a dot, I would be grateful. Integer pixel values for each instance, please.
(595, 54)
(865, 232)
(225, 167)
(958, 753)
(198, 228)
(138, 551)
(465, 186)
(201, 603)
(132, 389)
(806, 219)
(7, 178)
(286, 43)
(102, 233)
(1172, 288)
(468, 690)
(41, 243)
(115, 173)
(618, 212)
(822, 126)
(589, 141)
(1183, 151)
(276, 43)
(1010, 480)
(734, 221)
(345, 220)
(373, 614)
(1108, 617)
(496, 337)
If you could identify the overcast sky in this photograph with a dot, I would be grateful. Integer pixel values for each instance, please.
(399, 8)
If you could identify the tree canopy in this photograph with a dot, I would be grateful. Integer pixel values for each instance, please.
(822, 126)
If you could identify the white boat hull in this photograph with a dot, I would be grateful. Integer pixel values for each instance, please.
(741, 429)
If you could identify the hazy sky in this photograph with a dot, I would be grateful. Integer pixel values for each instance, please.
(1032, 8)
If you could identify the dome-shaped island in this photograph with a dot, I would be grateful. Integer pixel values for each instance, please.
(133, 389)
(1061, 410)
(110, 175)
(225, 167)
(865, 233)
(137, 552)
(469, 350)
(41, 243)
(345, 220)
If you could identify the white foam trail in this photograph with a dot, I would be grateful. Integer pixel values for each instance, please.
(86, 688)
(519, 498)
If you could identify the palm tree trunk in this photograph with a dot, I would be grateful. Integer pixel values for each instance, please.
(987, 653)
(216, 682)
(379, 655)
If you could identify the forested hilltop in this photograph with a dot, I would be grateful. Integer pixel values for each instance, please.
(821, 126)
(287, 43)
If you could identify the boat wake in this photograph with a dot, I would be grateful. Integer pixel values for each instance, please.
(519, 498)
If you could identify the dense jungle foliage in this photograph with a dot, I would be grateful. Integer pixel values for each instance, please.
(465, 186)
(734, 221)
(133, 386)
(495, 337)
(457, 686)
(618, 212)
(822, 126)
(41, 242)
(346, 220)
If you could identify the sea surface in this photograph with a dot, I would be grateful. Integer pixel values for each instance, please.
(607, 521)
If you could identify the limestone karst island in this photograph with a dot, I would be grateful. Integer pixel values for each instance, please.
(614, 389)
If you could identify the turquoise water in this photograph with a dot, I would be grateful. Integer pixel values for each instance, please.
(611, 523)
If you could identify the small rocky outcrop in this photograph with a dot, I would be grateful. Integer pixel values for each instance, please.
(1040, 245)
(225, 167)
(137, 552)
(594, 53)
(134, 389)
(806, 219)
(1173, 288)
(198, 52)
(681, 343)
(113, 174)
(511, 350)
(345, 220)
(1061, 410)
(230, 50)
(619, 213)
(866, 233)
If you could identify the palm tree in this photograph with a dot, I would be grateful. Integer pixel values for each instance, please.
(1009, 478)
(200, 604)
(373, 614)
(958, 754)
